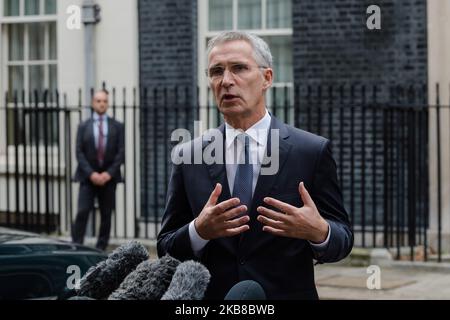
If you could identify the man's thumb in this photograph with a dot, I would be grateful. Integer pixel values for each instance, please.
(304, 194)
(215, 195)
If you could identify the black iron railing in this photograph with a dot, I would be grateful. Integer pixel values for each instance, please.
(380, 136)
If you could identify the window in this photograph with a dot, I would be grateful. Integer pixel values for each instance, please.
(279, 14)
(270, 19)
(25, 285)
(249, 14)
(220, 15)
(29, 64)
(14, 8)
(11, 8)
(32, 58)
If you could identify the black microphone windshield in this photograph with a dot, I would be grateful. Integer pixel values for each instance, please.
(246, 290)
(189, 282)
(105, 277)
(148, 282)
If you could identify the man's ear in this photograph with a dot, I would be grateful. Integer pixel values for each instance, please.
(268, 78)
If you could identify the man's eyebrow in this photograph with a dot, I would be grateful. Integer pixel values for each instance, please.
(216, 65)
(229, 62)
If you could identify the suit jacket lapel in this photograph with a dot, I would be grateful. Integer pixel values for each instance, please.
(218, 174)
(91, 136)
(251, 239)
(217, 171)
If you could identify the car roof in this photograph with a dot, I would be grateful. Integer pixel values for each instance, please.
(11, 237)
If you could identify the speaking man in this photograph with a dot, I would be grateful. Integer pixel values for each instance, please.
(244, 222)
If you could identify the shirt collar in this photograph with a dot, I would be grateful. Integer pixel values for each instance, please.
(96, 116)
(257, 132)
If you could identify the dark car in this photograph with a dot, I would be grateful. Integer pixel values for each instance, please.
(37, 267)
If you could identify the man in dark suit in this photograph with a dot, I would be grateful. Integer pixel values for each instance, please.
(100, 152)
(240, 220)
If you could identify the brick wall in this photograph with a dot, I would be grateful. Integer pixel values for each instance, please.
(168, 59)
(168, 42)
(332, 46)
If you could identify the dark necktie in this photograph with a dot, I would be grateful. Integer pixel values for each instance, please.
(243, 180)
(100, 142)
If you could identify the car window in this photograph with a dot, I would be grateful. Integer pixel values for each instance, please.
(24, 285)
(94, 260)
(13, 249)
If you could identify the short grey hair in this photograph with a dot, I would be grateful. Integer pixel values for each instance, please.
(261, 53)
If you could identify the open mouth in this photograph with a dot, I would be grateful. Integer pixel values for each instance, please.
(229, 97)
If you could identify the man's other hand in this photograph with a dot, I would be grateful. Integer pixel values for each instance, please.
(217, 220)
(106, 177)
(100, 179)
(302, 223)
(96, 179)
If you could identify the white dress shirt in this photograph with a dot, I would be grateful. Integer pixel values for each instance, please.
(258, 134)
(96, 122)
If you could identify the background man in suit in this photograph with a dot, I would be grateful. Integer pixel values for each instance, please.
(240, 223)
(100, 153)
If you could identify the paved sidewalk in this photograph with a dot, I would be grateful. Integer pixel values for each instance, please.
(400, 281)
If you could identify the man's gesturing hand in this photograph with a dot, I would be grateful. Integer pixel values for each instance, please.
(302, 223)
(215, 219)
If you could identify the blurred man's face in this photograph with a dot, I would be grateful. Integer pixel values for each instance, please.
(100, 102)
(238, 83)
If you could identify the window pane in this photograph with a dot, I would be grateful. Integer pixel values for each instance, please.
(23, 285)
(36, 32)
(52, 41)
(249, 14)
(50, 6)
(37, 80)
(16, 42)
(31, 7)
(279, 14)
(220, 14)
(11, 8)
(281, 48)
(15, 82)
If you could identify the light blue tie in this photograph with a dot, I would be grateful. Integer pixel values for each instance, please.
(243, 180)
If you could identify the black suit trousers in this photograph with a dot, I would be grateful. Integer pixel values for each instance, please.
(106, 196)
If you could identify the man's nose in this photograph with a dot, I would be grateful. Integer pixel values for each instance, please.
(227, 79)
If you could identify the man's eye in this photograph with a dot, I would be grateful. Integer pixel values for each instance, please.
(215, 71)
(239, 67)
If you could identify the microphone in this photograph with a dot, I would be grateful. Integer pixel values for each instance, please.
(246, 290)
(148, 282)
(105, 277)
(189, 282)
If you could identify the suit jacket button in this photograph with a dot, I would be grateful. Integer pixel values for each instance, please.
(241, 261)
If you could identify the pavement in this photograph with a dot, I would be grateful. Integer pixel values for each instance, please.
(399, 281)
